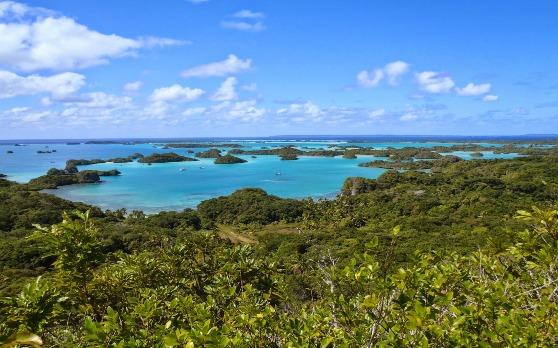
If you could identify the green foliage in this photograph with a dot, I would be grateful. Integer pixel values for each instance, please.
(211, 153)
(289, 157)
(58, 177)
(229, 159)
(206, 292)
(249, 206)
(75, 244)
(164, 158)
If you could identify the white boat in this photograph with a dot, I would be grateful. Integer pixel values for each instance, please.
(182, 169)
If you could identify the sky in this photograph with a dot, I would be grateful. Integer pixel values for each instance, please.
(203, 68)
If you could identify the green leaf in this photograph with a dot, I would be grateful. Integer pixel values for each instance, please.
(23, 338)
(326, 342)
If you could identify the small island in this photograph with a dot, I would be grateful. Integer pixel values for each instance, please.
(399, 165)
(425, 154)
(434, 165)
(165, 158)
(477, 154)
(71, 165)
(229, 159)
(288, 157)
(60, 177)
(211, 153)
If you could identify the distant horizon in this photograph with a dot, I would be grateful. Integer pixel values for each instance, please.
(315, 137)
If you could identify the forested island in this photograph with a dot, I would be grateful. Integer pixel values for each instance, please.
(165, 158)
(462, 254)
(228, 159)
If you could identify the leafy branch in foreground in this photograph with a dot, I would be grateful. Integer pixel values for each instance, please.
(203, 291)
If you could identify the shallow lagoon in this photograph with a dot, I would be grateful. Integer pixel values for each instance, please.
(174, 186)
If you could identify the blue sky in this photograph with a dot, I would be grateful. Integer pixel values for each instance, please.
(179, 68)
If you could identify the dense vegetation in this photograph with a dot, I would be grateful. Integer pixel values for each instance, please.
(164, 158)
(229, 159)
(71, 165)
(453, 256)
(289, 157)
(211, 153)
(58, 177)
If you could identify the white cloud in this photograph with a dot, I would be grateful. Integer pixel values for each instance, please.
(490, 98)
(229, 66)
(246, 111)
(251, 87)
(34, 117)
(158, 109)
(378, 113)
(392, 71)
(133, 86)
(434, 82)
(395, 70)
(153, 41)
(176, 93)
(46, 101)
(473, 90)
(58, 86)
(16, 11)
(370, 78)
(245, 20)
(302, 112)
(194, 111)
(31, 40)
(248, 14)
(409, 116)
(18, 115)
(163, 101)
(18, 109)
(12, 9)
(423, 112)
(100, 100)
(243, 26)
(226, 91)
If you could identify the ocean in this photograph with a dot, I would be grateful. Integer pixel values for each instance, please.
(175, 186)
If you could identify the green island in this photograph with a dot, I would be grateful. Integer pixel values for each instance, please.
(229, 159)
(59, 177)
(401, 154)
(288, 157)
(165, 158)
(464, 255)
(211, 153)
(71, 165)
(413, 164)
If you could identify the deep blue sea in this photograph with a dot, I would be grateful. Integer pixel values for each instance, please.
(175, 186)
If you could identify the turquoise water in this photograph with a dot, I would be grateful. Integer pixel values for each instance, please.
(486, 155)
(165, 187)
(174, 186)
